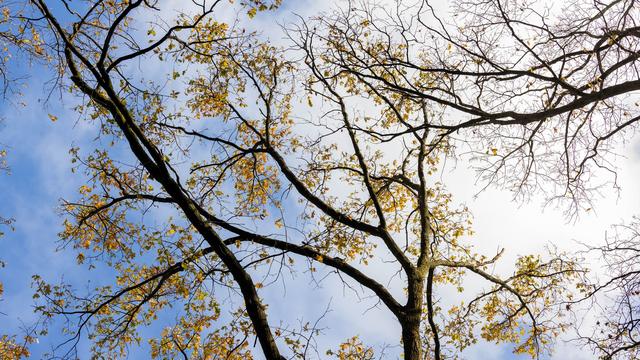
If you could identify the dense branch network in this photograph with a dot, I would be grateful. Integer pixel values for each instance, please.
(255, 184)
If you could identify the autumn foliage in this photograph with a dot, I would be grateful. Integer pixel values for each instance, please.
(245, 160)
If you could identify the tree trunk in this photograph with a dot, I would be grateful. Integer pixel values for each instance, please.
(410, 319)
(411, 340)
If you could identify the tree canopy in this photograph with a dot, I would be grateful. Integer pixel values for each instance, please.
(225, 162)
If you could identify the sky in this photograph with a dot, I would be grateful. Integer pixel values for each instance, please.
(38, 155)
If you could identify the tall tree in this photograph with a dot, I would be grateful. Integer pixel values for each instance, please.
(399, 92)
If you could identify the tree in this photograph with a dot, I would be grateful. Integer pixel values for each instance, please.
(615, 298)
(401, 93)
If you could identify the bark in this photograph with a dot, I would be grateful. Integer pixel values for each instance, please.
(410, 319)
(411, 341)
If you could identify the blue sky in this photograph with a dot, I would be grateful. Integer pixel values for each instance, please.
(41, 176)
